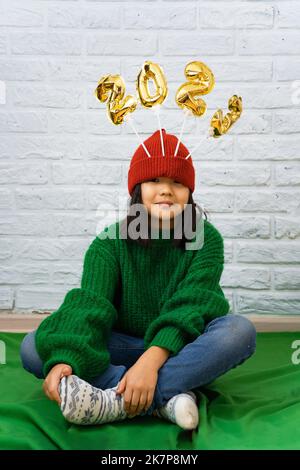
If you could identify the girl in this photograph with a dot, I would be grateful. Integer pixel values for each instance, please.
(149, 323)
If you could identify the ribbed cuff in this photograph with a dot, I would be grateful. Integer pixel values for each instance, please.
(63, 356)
(170, 338)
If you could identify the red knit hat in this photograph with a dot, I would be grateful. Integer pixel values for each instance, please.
(143, 168)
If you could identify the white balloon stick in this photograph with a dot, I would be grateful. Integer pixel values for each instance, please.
(186, 113)
(206, 137)
(156, 110)
(128, 119)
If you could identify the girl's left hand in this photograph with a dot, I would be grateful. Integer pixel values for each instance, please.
(139, 384)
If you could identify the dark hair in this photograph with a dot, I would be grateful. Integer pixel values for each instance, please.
(136, 198)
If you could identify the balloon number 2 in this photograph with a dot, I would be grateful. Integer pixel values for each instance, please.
(201, 81)
(111, 88)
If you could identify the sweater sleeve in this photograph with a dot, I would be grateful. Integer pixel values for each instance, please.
(76, 333)
(198, 299)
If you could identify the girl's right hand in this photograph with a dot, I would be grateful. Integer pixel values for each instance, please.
(51, 382)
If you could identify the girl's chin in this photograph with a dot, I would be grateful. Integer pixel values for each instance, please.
(164, 216)
(164, 210)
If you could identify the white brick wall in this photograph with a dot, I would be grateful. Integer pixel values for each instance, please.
(62, 161)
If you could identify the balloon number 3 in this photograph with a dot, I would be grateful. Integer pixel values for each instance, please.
(220, 124)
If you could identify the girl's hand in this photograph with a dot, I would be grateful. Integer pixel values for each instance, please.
(51, 382)
(139, 384)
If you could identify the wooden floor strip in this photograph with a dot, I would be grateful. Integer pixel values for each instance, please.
(22, 323)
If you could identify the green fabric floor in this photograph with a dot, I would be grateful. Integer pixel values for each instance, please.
(254, 406)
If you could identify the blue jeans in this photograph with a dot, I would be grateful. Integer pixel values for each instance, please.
(225, 343)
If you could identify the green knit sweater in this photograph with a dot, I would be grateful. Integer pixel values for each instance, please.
(161, 293)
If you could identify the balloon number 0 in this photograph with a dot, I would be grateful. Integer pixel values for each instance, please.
(151, 71)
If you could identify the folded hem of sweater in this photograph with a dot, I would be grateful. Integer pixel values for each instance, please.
(169, 337)
(74, 359)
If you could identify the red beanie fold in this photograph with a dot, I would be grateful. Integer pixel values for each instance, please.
(175, 168)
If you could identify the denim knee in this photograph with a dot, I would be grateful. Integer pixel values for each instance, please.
(242, 331)
(29, 356)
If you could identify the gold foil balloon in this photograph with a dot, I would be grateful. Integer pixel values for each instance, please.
(151, 71)
(112, 88)
(221, 124)
(201, 81)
